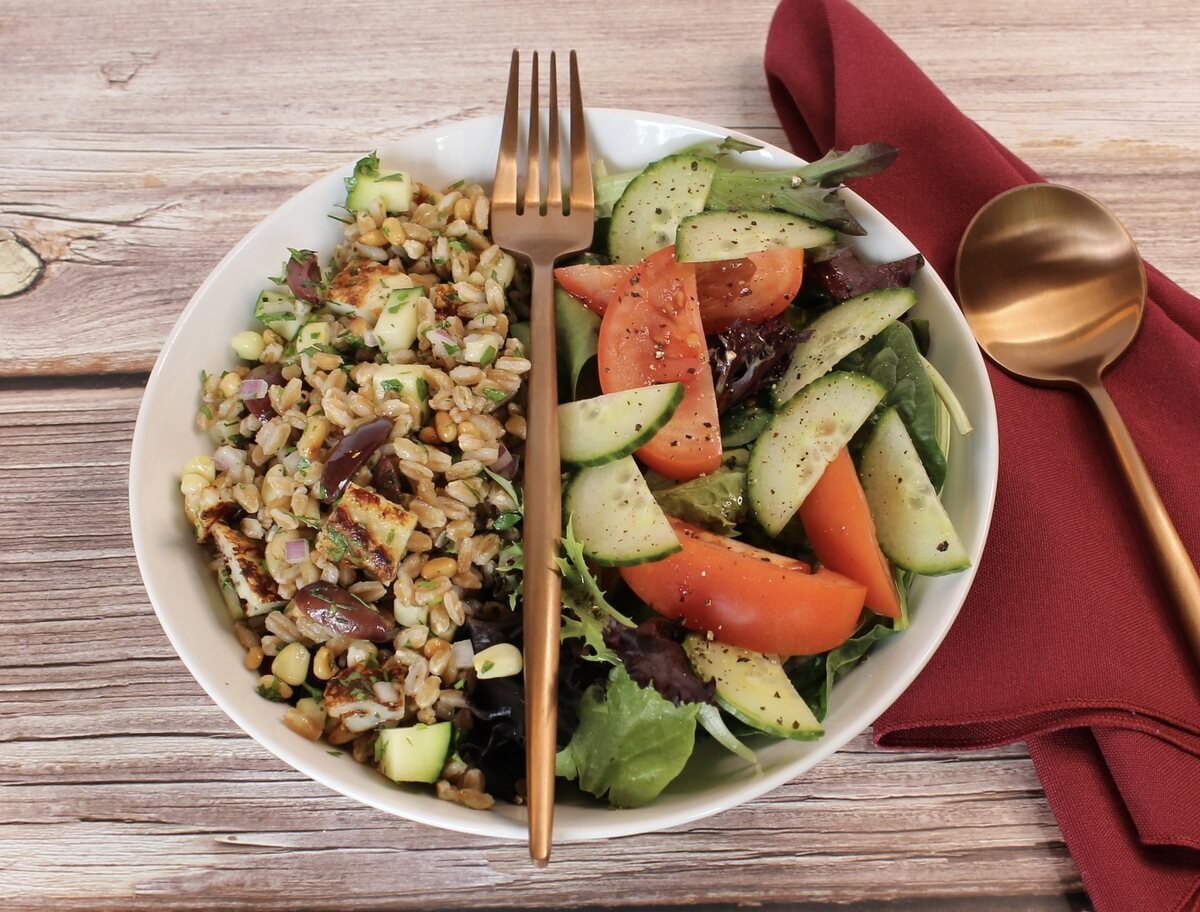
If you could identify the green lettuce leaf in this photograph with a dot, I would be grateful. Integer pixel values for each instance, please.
(630, 742)
(586, 612)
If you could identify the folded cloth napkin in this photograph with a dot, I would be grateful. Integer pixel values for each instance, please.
(1068, 640)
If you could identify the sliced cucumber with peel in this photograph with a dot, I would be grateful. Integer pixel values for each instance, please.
(754, 688)
(729, 235)
(913, 528)
(792, 452)
(839, 331)
(594, 431)
(616, 518)
(648, 213)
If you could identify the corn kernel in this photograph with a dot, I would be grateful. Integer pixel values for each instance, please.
(314, 709)
(191, 483)
(229, 385)
(291, 665)
(248, 345)
(502, 660)
(200, 465)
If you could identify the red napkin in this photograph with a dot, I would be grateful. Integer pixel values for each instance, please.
(1068, 640)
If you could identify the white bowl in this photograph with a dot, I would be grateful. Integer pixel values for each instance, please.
(184, 593)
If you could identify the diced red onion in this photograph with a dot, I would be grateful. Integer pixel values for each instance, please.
(462, 654)
(227, 457)
(506, 464)
(253, 389)
(442, 338)
(295, 550)
(370, 340)
(386, 692)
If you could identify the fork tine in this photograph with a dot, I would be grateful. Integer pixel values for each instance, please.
(533, 176)
(553, 154)
(504, 191)
(582, 195)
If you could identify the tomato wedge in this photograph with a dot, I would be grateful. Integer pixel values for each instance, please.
(651, 333)
(748, 597)
(591, 283)
(755, 288)
(838, 523)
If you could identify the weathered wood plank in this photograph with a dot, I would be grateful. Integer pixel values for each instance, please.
(123, 787)
(133, 163)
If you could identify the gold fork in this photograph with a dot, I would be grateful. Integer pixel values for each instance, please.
(542, 230)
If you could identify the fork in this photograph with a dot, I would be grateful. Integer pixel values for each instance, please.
(542, 229)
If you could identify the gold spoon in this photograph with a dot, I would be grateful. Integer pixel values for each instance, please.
(1054, 289)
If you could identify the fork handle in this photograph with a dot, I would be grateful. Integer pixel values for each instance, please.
(543, 587)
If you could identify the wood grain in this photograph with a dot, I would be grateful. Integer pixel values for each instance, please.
(140, 140)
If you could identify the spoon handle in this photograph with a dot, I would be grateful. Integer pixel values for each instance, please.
(1173, 558)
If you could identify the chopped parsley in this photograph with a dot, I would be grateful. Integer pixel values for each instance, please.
(494, 394)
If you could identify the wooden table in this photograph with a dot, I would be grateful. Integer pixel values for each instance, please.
(141, 139)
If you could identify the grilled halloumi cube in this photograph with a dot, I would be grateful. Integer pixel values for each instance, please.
(364, 290)
(245, 559)
(369, 530)
(207, 507)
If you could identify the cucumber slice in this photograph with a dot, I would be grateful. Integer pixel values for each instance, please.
(804, 436)
(754, 688)
(592, 432)
(729, 235)
(648, 213)
(616, 518)
(413, 754)
(914, 530)
(838, 332)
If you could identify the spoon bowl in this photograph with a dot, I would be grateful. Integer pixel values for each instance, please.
(1054, 290)
(1051, 283)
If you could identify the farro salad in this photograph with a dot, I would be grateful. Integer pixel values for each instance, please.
(753, 443)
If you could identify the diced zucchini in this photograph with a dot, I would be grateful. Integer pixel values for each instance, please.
(416, 753)
(396, 328)
(281, 313)
(482, 347)
(408, 381)
(504, 269)
(372, 181)
(316, 336)
(710, 236)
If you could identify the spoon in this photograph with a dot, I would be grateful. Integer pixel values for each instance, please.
(1054, 289)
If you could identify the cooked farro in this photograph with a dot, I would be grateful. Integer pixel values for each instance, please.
(358, 601)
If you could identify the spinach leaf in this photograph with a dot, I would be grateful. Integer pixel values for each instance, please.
(814, 676)
(892, 359)
(630, 742)
(717, 501)
(578, 331)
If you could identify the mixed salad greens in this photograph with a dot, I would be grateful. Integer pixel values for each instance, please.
(754, 444)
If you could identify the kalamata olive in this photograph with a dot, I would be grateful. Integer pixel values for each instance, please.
(350, 453)
(386, 478)
(304, 276)
(337, 610)
(273, 375)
